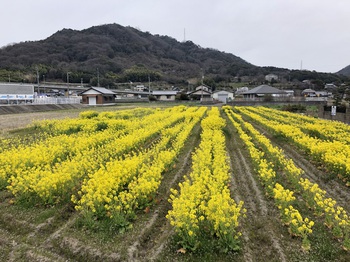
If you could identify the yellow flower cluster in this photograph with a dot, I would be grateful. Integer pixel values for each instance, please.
(327, 142)
(266, 156)
(335, 216)
(54, 168)
(298, 226)
(282, 196)
(90, 121)
(314, 197)
(320, 128)
(131, 182)
(267, 159)
(203, 201)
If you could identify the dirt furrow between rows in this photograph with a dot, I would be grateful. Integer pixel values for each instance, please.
(335, 188)
(156, 232)
(261, 227)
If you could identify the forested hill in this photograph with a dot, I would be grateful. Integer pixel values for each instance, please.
(345, 71)
(119, 54)
(113, 54)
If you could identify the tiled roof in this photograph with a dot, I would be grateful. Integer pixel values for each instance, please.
(264, 89)
(164, 92)
(101, 90)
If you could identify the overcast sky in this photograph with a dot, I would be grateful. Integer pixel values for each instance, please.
(294, 34)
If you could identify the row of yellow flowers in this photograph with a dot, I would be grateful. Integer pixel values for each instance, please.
(335, 216)
(265, 157)
(203, 206)
(131, 182)
(91, 121)
(320, 128)
(53, 180)
(55, 145)
(333, 154)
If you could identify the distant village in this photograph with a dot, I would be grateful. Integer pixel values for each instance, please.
(20, 93)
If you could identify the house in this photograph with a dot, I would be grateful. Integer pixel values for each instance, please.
(223, 96)
(98, 96)
(202, 93)
(290, 93)
(15, 93)
(330, 86)
(241, 90)
(322, 93)
(308, 92)
(140, 88)
(204, 88)
(165, 95)
(263, 90)
(130, 94)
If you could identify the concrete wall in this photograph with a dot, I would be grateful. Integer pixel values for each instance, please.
(343, 117)
(19, 109)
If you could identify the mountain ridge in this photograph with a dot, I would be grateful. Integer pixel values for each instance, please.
(113, 54)
(345, 71)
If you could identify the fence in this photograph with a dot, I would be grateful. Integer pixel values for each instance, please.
(57, 100)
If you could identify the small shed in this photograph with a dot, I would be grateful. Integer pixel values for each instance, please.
(98, 96)
(223, 96)
(15, 93)
(165, 95)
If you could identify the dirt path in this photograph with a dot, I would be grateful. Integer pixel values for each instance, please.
(13, 121)
(157, 231)
(261, 229)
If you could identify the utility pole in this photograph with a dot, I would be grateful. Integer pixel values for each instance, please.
(98, 78)
(68, 82)
(202, 86)
(149, 87)
(44, 84)
(37, 77)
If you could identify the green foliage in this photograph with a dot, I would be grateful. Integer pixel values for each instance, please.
(294, 108)
(88, 114)
(182, 96)
(318, 79)
(152, 98)
(141, 74)
(11, 76)
(268, 98)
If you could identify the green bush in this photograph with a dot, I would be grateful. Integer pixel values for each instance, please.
(88, 114)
